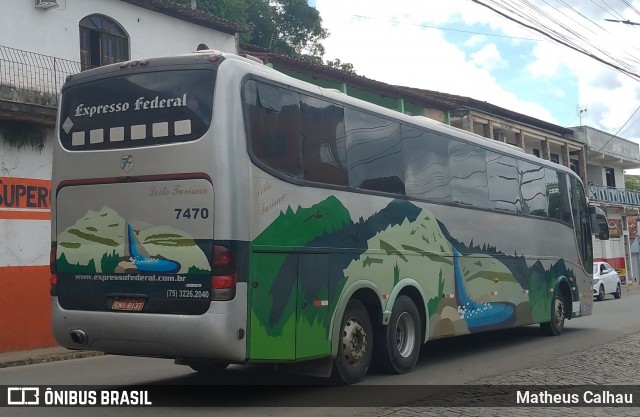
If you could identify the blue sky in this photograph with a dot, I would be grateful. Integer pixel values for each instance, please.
(555, 91)
(459, 47)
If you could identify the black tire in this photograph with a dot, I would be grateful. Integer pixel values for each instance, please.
(356, 344)
(208, 367)
(556, 325)
(618, 294)
(398, 344)
(601, 293)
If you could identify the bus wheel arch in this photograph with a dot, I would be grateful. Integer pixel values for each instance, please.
(561, 306)
(398, 343)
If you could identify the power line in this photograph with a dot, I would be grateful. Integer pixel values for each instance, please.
(529, 15)
(449, 29)
(549, 26)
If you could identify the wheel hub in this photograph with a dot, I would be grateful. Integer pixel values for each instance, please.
(354, 340)
(559, 312)
(405, 334)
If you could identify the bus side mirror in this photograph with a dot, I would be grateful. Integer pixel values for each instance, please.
(599, 222)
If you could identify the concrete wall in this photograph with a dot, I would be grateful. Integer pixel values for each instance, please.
(25, 241)
(595, 173)
(55, 32)
(599, 141)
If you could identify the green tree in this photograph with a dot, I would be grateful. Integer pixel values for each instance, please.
(344, 66)
(290, 27)
(632, 182)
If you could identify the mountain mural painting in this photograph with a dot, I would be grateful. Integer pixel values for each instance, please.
(104, 242)
(469, 288)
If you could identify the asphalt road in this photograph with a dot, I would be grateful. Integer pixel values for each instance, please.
(484, 358)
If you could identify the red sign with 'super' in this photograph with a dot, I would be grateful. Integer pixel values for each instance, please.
(25, 198)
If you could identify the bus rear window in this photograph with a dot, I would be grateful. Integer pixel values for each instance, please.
(135, 110)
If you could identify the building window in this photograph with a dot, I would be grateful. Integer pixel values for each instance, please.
(554, 157)
(610, 176)
(102, 42)
(536, 152)
(575, 166)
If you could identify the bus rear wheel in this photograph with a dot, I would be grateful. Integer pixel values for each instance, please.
(558, 312)
(356, 344)
(399, 342)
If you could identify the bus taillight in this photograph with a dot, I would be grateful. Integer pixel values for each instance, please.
(223, 279)
(53, 280)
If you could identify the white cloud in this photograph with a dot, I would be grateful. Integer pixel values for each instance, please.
(475, 40)
(390, 45)
(609, 96)
(488, 58)
(393, 48)
(546, 60)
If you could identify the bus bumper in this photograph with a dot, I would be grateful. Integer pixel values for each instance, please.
(220, 333)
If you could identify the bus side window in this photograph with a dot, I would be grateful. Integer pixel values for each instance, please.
(503, 182)
(581, 224)
(426, 164)
(468, 167)
(533, 189)
(274, 127)
(324, 156)
(558, 194)
(374, 153)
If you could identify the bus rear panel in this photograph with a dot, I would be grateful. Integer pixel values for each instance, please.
(136, 267)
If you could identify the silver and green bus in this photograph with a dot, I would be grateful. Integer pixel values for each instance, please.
(213, 210)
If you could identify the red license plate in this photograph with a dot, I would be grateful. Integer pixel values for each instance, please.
(128, 304)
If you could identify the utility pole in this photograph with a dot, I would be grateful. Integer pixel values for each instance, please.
(194, 6)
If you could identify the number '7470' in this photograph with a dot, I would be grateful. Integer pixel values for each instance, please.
(192, 213)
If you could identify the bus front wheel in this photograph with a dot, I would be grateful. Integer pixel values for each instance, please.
(399, 342)
(558, 312)
(356, 344)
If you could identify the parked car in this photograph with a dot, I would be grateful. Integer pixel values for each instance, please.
(605, 281)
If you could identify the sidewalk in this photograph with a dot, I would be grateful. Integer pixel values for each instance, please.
(34, 356)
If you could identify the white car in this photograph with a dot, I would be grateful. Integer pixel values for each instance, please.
(605, 281)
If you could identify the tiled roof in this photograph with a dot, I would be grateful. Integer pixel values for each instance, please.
(187, 14)
(486, 107)
(340, 76)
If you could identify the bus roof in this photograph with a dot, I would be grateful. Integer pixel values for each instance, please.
(250, 65)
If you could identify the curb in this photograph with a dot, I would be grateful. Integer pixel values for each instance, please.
(51, 357)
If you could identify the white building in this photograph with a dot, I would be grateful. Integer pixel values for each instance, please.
(607, 156)
(41, 42)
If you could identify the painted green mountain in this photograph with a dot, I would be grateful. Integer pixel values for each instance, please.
(535, 278)
(390, 245)
(292, 229)
(97, 233)
(97, 242)
(325, 280)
